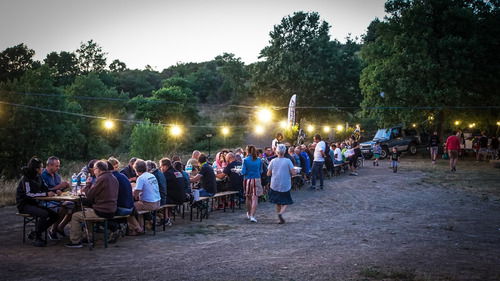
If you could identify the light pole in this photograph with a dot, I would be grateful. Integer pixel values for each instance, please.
(209, 136)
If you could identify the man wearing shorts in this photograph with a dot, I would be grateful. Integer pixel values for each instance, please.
(483, 147)
(434, 146)
(453, 146)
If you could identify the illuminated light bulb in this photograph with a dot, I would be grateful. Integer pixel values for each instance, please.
(175, 130)
(310, 128)
(283, 124)
(259, 130)
(108, 124)
(264, 115)
(225, 131)
(326, 129)
(340, 128)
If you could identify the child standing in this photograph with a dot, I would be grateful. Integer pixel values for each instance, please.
(377, 150)
(395, 159)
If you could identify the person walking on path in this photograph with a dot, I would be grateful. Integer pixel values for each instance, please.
(434, 146)
(319, 160)
(251, 170)
(281, 170)
(453, 146)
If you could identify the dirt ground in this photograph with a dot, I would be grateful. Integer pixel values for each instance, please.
(423, 223)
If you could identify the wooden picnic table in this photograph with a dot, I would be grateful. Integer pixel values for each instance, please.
(65, 197)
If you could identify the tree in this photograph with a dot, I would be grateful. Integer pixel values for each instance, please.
(15, 61)
(301, 59)
(30, 131)
(117, 66)
(148, 140)
(65, 65)
(173, 103)
(91, 57)
(431, 53)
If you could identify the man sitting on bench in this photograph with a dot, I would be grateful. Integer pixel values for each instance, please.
(101, 197)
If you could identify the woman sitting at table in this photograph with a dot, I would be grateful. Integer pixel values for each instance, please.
(30, 187)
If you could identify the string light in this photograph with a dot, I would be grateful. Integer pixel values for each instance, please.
(498, 123)
(264, 115)
(457, 122)
(284, 124)
(310, 128)
(108, 124)
(259, 130)
(175, 131)
(326, 129)
(340, 128)
(225, 131)
(414, 125)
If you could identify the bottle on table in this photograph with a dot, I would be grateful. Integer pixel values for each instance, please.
(74, 183)
(83, 182)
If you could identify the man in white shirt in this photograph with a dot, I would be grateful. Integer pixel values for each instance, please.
(276, 141)
(319, 160)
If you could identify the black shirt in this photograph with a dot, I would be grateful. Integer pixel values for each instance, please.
(235, 179)
(208, 181)
(434, 141)
(483, 142)
(175, 186)
(494, 143)
(129, 172)
(395, 156)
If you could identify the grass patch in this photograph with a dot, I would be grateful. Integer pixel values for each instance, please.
(8, 192)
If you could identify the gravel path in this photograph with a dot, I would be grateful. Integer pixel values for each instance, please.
(377, 226)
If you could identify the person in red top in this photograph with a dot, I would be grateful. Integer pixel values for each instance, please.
(453, 147)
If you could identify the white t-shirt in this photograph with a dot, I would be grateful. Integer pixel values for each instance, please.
(148, 185)
(338, 154)
(274, 144)
(281, 178)
(317, 151)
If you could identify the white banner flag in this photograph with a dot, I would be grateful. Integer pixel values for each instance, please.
(291, 110)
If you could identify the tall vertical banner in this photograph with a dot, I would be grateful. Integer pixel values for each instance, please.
(291, 110)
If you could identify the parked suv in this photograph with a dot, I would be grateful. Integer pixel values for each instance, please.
(404, 140)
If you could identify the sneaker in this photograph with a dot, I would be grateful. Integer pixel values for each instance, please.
(168, 222)
(38, 242)
(53, 236)
(73, 245)
(32, 235)
(253, 219)
(377, 164)
(282, 220)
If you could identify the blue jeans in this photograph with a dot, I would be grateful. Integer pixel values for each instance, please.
(317, 171)
(394, 163)
(123, 211)
(204, 193)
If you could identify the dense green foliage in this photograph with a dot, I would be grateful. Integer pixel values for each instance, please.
(433, 53)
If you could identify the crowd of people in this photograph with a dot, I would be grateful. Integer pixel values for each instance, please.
(140, 185)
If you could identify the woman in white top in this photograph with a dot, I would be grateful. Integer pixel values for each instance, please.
(281, 170)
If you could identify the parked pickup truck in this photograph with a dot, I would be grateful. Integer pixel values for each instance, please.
(404, 140)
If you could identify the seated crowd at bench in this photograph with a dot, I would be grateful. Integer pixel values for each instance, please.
(144, 186)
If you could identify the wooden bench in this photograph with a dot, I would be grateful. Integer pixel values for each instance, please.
(105, 221)
(153, 214)
(165, 208)
(29, 219)
(339, 167)
(226, 194)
